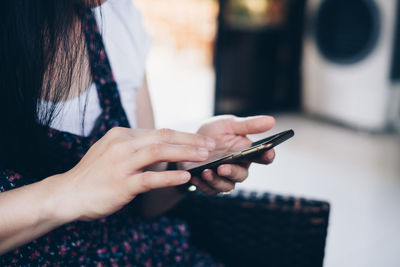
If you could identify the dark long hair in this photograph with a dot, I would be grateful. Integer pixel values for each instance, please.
(40, 49)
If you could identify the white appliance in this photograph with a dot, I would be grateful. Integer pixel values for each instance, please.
(351, 62)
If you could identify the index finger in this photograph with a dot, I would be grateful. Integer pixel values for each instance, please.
(173, 137)
(252, 125)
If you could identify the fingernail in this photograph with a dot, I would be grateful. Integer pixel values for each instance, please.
(210, 143)
(202, 152)
(184, 177)
(271, 155)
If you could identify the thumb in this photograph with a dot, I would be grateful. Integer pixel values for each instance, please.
(146, 181)
(252, 125)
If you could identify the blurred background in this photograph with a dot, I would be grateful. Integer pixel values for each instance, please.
(329, 69)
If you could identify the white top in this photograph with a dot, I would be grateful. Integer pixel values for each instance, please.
(127, 45)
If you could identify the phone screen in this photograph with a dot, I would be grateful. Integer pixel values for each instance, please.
(255, 149)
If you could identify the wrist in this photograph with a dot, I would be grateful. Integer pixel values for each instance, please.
(58, 205)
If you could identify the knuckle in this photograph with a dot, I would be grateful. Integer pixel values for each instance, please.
(165, 134)
(190, 151)
(155, 150)
(231, 117)
(134, 146)
(115, 131)
(239, 174)
(198, 139)
(117, 148)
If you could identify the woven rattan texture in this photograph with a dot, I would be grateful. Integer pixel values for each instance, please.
(247, 229)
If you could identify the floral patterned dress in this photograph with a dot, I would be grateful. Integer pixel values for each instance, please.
(120, 239)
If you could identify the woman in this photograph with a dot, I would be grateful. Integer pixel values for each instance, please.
(78, 184)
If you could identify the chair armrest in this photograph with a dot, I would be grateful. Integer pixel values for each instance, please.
(248, 229)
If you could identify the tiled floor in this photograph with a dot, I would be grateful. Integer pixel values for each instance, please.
(358, 173)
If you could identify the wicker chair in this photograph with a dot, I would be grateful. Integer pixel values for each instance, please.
(247, 229)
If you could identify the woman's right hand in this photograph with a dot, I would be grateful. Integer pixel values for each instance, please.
(112, 172)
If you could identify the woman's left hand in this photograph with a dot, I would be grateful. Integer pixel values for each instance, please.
(230, 134)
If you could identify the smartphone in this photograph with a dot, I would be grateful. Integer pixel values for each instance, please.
(254, 150)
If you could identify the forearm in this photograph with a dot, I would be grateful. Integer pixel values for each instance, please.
(30, 212)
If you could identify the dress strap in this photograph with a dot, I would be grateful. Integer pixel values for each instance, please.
(107, 89)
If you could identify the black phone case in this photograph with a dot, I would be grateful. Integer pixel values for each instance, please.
(255, 149)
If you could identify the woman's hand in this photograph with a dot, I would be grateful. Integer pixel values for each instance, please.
(230, 132)
(109, 176)
(113, 172)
